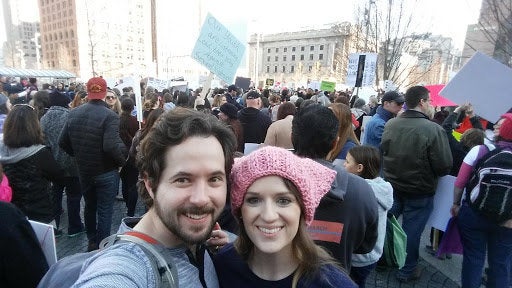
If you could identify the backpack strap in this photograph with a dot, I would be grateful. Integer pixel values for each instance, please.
(164, 268)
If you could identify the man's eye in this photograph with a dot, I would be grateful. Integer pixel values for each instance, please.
(217, 179)
(182, 180)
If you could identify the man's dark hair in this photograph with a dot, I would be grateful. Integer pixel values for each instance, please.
(414, 95)
(171, 129)
(314, 130)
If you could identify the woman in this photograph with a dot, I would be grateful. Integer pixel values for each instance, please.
(113, 102)
(28, 164)
(480, 235)
(274, 196)
(364, 161)
(128, 127)
(80, 98)
(346, 136)
(278, 133)
(229, 115)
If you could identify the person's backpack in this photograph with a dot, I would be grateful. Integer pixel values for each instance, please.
(490, 186)
(66, 271)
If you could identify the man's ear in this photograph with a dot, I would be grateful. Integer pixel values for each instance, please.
(147, 184)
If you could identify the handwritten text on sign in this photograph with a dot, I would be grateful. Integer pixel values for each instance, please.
(218, 50)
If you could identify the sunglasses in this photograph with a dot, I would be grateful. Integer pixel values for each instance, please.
(111, 97)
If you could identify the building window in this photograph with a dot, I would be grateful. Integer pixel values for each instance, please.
(268, 69)
(293, 57)
(285, 49)
(310, 68)
(320, 56)
(275, 69)
(268, 58)
(284, 69)
(277, 50)
(321, 47)
(293, 49)
(276, 58)
(268, 50)
(302, 48)
(310, 56)
(302, 57)
(292, 69)
(284, 58)
(311, 48)
(74, 63)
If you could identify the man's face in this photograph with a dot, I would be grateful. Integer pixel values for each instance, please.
(427, 108)
(192, 189)
(392, 106)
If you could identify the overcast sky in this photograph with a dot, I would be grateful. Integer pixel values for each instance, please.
(446, 17)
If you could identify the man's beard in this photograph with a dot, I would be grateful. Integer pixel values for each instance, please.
(189, 235)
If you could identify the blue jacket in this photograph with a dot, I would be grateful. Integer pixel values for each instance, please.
(375, 127)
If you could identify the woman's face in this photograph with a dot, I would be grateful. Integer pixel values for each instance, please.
(223, 100)
(497, 127)
(271, 215)
(110, 98)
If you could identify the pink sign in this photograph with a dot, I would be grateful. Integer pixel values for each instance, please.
(438, 100)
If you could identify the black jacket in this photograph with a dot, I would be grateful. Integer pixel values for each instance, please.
(346, 220)
(91, 135)
(255, 124)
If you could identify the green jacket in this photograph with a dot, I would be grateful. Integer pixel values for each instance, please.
(415, 154)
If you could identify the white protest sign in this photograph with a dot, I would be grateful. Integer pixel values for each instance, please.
(218, 49)
(130, 82)
(158, 84)
(362, 67)
(485, 83)
(443, 200)
(366, 119)
(46, 238)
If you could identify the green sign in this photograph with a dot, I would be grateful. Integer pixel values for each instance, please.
(327, 86)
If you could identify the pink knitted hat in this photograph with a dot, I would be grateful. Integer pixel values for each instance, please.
(506, 127)
(312, 179)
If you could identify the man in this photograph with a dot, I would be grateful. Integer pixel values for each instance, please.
(254, 121)
(415, 154)
(347, 218)
(392, 103)
(91, 135)
(231, 96)
(185, 188)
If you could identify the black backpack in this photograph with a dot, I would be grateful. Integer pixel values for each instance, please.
(66, 271)
(490, 186)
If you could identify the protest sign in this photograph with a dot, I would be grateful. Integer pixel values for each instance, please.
(361, 69)
(218, 49)
(46, 238)
(242, 82)
(327, 86)
(443, 200)
(485, 83)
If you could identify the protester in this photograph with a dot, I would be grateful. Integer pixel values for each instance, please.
(185, 187)
(229, 115)
(22, 263)
(5, 107)
(279, 133)
(365, 161)
(480, 235)
(254, 121)
(392, 103)
(52, 123)
(346, 220)
(346, 137)
(415, 154)
(274, 196)
(28, 164)
(91, 135)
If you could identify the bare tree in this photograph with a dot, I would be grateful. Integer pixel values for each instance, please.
(12, 56)
(92, 42)
(495, 24)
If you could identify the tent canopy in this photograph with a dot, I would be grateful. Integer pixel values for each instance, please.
(61, 74)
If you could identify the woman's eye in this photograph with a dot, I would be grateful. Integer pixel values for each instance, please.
(252, 200)
(284, 201)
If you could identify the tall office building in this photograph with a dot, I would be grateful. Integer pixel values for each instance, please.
(492, 34)
(21, 47)
(93, 37)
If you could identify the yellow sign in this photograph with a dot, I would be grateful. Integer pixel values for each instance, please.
(269, 82)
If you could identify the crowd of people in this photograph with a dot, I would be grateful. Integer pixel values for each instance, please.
(242, 188)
